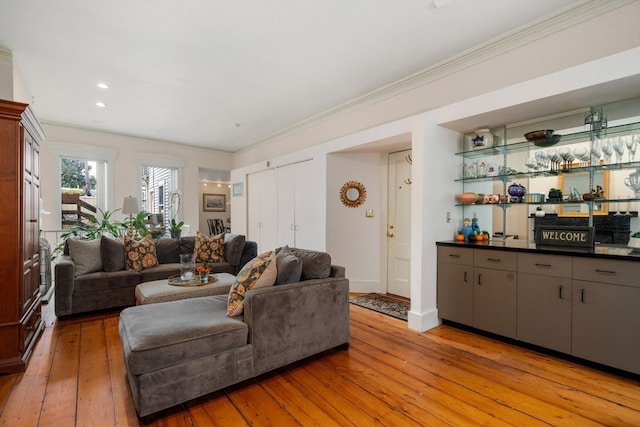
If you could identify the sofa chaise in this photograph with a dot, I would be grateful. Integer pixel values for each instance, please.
(179, 350)
(92, 274)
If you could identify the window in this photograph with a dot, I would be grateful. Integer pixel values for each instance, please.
(159, 185)
(82, 189)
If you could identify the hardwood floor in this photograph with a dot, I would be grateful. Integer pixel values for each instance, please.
(389, 376)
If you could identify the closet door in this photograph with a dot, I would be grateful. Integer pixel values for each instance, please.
(262, 213)
(287, 205)
(297, 205)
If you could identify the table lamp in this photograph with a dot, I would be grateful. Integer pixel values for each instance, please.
(130, 206)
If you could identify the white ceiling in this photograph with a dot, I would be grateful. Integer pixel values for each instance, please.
(228, 74)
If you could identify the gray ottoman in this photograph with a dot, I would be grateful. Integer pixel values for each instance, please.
(162, 291)
(179, 350)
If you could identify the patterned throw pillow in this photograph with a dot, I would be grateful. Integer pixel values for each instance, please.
(140, 254)
(209, 249)
(260, 272)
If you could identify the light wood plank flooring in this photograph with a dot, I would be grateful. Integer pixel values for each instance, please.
(389, 376)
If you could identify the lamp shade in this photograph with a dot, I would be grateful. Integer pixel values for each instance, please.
(130, 205)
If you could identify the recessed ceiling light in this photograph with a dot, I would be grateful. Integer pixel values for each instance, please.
(103, 85)
(101, 104)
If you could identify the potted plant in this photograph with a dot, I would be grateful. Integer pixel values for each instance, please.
(203, 271)
(175, 228)
(138, 223)
(93, 228)
(555, 194)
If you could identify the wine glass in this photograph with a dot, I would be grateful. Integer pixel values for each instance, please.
(618, 147)
(542, 160)
(567, 156)
(531, 163)
(631, 147)
(607, 150)
(555, 158)
(582, 154)
(596, 151)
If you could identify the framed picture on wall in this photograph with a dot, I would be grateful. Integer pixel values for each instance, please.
(214, 202)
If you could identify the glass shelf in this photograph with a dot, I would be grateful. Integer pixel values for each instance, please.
(568, 139)
(559, 171)
(549, 202)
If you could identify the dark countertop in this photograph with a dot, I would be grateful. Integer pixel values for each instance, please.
(599, 251)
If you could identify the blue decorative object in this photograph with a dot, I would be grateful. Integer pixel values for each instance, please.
(466, 229)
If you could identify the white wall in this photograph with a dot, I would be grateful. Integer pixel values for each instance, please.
(125, 154)
(432, 202)
(213, 188)
(347, 226)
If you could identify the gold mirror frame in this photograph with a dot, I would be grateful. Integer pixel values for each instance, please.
(581, 179)
(353, 194)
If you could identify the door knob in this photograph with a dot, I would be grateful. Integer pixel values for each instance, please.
(390, 231)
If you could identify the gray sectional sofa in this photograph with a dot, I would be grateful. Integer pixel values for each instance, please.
(93, 276)
(179, 350)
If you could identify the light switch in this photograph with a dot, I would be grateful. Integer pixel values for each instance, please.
(369, 213)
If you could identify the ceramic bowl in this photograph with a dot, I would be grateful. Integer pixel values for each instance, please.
(634, 243)
(537, 135)
(467, 198)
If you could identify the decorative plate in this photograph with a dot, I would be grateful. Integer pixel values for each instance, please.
(177, 281)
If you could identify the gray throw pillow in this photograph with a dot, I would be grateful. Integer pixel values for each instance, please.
(315, 264)
(85, 255)
(112, 252)
(289, 267)
(233, 247)
(167, 250)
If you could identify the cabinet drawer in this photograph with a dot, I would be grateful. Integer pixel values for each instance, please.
(607, 271)
(545, 265)
(452, 255)
(498, 260)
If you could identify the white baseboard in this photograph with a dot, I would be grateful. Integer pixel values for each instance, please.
(423, 321)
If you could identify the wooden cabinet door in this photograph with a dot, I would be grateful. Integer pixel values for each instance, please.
(455, 293)
(606, 324)
(544, 311)
(494, 301)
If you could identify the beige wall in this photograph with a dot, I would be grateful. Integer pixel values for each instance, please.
(126, 155)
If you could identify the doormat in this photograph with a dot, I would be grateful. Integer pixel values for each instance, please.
(383, 304)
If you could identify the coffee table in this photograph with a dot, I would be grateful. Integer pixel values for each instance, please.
(162, 291)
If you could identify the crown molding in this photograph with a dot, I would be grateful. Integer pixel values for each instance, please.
(536, 30)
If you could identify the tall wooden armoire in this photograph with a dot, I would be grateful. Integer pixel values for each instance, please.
(20, 306)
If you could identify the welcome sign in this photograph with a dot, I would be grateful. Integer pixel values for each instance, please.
(565, 236)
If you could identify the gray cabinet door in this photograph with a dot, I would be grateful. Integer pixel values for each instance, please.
(455, 293)
(544, 311)
(494, 301)
(606, 321)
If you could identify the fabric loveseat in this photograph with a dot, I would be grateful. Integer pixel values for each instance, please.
(92, 274)
(179, 350)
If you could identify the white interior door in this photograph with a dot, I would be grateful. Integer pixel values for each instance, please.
(262, 216)
(399, 225)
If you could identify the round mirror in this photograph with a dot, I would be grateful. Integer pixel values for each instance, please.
(353, 194)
